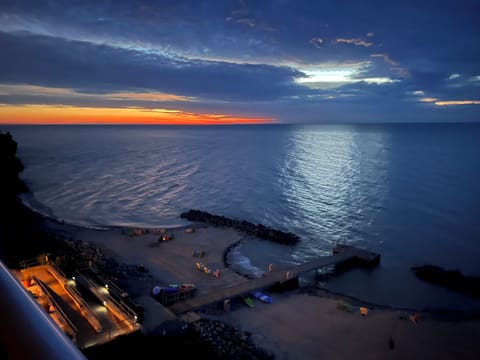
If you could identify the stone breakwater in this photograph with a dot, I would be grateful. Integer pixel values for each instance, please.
(452, 279)
(228, 342)
(258, 230)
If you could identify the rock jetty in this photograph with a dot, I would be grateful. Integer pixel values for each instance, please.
(452, 279)
(258, 230)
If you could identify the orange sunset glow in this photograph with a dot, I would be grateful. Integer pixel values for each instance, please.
(51, 114)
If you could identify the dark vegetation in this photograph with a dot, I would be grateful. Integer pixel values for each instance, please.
(20, 234)
(23, 234)
(10, 183)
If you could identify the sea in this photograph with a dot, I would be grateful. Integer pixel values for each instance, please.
(410, 192)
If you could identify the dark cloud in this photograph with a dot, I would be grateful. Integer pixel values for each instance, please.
(245, 55)
(89, 68)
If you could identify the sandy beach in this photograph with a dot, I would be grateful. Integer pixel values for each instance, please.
(301, 326)
(296, 325)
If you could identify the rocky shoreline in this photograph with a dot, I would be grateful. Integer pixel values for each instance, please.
(228, 342)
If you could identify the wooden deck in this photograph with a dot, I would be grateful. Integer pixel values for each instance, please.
(342, 254)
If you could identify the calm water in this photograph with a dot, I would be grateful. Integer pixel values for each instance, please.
(410, 192)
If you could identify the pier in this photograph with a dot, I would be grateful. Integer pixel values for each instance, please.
(343, 255)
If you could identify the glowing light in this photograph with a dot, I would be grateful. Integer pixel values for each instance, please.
(56, 114)
(166, 111)
(322, 75)
(457, 102)
(334, 75)
(378, 80)
(428, 99)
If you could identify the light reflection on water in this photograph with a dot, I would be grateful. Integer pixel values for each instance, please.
(336, 187)
(332, 190)
(406, 192)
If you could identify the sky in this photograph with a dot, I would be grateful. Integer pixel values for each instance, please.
(239, 62)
